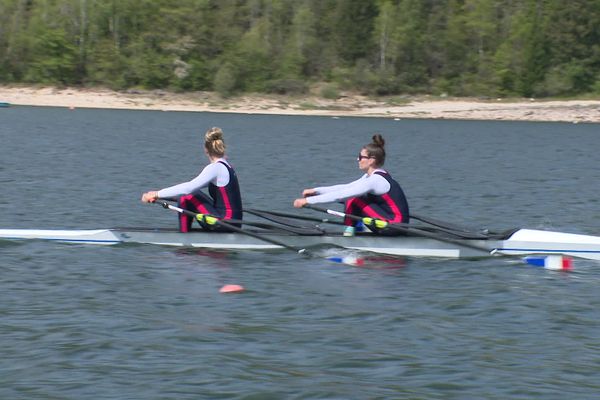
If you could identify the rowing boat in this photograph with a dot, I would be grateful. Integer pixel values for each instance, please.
(519, 242)
(429, 238)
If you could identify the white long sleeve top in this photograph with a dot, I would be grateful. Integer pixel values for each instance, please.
(215, 173)
(374, 183)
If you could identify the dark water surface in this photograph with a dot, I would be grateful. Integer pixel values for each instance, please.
(147, 322)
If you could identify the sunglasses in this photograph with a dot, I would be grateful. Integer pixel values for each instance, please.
(360, 157)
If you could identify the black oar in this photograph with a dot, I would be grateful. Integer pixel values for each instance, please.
(212, 220)
(403, 228)
(456, 230)
(262, 213)
(451, 227)
(298, 230)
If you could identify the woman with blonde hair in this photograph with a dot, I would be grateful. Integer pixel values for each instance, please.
(376, 194)
(225, 200)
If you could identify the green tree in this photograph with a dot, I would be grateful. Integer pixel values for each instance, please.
(353, 29)
(13, 39)
(300, 46)
(535, 54)
(251, 58)
(54, 58)
(459, 47)
(454, 47)
(410, 53)
(573, 39)
(481, 28)
(386, 34)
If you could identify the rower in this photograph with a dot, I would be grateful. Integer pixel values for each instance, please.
(225, 200)
(376, 194)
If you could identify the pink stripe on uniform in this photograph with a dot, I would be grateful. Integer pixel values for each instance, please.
(228, 210)
(398, 217)
(368, 211)
(184, 219)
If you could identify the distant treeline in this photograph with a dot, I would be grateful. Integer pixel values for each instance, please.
(379, 47)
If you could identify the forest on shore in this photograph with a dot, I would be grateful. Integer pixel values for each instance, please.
(485, 48)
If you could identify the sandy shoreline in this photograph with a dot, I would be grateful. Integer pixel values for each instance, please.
(574, 111)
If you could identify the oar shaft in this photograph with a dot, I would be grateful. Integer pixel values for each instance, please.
(450, 227)
(405, 228)
(261, 213)
(233, 228)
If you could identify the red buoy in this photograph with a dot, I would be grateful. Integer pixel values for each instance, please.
(231, 289)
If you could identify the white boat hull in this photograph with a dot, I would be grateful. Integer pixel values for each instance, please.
(531, 241)
(522, 242)
(87, 236)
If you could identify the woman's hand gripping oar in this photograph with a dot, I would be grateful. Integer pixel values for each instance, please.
(211, 220)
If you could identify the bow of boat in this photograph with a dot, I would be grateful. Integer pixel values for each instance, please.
(89, 236)
(533, 241)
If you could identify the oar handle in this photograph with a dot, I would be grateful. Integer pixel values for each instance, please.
(332, 212)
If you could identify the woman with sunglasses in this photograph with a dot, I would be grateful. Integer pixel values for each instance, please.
(376, 194)
(225, 200)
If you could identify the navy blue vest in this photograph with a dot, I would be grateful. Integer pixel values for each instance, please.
(393, 202)
(227, 199)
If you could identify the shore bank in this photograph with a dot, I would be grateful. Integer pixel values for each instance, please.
(574, 111)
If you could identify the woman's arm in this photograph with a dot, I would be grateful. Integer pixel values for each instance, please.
(367, 184)
(209, 174)
(337, 188)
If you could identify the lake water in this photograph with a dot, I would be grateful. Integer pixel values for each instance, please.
(148, 322)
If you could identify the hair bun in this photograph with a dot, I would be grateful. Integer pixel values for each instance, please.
(213, 142)
(214, 134)
(378, 140)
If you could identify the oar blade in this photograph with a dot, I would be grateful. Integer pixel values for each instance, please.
(551, 262)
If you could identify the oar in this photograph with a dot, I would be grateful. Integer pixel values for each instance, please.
(447, 227)
(265, 225)
(455, 230)
(261, 213)
(450, 227)
(404, 228)
(212, 220)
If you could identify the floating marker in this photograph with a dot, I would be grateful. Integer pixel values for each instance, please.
(354, 261)
(555, 263)
(231, 289)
